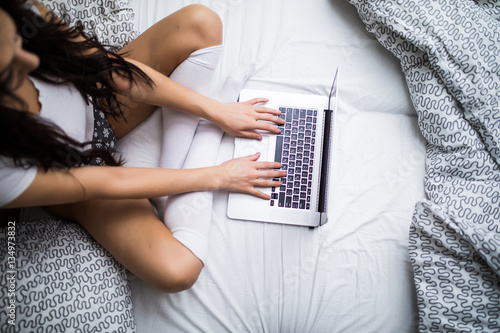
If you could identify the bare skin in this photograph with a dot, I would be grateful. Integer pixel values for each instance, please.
(119, 216)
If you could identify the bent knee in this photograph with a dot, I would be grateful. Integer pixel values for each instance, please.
(206, 25)
(172, 278)
(175, 283)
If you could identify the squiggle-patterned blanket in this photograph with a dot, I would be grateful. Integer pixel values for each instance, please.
(111, 21)
(450, 55)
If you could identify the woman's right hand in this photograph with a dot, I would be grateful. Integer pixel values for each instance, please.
(245, 174)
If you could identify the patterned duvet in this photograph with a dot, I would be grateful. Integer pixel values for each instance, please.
(450, 54)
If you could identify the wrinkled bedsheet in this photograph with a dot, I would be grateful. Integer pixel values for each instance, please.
(450, 55)
(352, 274)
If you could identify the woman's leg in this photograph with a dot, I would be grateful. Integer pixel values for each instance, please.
(129, 229)
(133, 234)
(163, 47)
(167, 43)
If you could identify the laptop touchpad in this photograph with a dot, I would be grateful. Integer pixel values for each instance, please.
(250, 147)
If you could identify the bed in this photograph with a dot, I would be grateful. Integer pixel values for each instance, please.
(412, 242)
(354, 273)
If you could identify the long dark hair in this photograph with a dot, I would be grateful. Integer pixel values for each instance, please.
(28, 139)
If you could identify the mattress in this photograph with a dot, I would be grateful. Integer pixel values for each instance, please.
(352, 274)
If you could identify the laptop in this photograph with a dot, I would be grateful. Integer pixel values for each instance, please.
(303, 148)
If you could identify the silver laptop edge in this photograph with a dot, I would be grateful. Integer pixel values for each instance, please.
(246, 207)
(330, 113)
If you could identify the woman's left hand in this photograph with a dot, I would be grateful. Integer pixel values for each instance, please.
(244, 118)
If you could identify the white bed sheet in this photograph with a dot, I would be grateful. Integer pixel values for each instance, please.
(351, 275)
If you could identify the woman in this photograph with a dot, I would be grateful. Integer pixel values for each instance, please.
(50, 166)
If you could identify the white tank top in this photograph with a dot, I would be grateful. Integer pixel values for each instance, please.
(64, 106)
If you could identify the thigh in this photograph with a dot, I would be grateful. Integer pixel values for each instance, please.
(171, 40)
(131, 231)
(163, 47)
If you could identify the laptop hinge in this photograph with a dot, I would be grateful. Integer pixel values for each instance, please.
(325, 162)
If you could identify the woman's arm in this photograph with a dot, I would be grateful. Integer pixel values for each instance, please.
(239, 119)
(100, 182)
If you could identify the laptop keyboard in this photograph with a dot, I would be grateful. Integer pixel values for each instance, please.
(295, 151)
